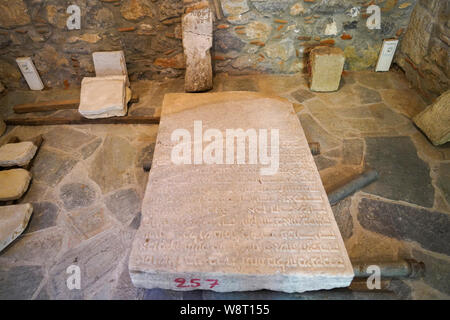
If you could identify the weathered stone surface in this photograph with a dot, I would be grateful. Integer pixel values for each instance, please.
(353, 152)
(13, 184)
(13, 221)
(344, 217)
(17, 154)
(315, 133)
(36, 248)
(367, 95)
(136, 9)
(113, 164)
(20, 283)
(44, 216)
(443, 180)
(301, 95)
(66, 139)
(13, 13)
(97, 259)
(437, 272)
(2, 127)
(77, 195)
(271, 6)
(218, 227)
(50, 167)
(403, 222)
(103, 97)
(89, 149)
(90, 221)
(327, 65)
(244, 84)
(234, 7)
(402, 174)
(124, 204)
(197, 42)
(435, 120)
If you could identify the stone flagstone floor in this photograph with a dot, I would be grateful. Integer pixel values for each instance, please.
(88, 184)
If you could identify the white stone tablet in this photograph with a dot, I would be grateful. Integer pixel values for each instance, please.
(110, 63)
(17, 154)
(103, 97)
(235, 227)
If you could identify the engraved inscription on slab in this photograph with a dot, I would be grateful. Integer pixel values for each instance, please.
(229, 227)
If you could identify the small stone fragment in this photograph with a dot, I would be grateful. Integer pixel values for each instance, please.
(13, 221)
(435, 120)
(327, 64)
(13, 184)
(17, 154)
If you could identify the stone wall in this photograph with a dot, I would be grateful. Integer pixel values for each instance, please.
(276, 35)
(424, 53)
(250, 35)
(149, 31)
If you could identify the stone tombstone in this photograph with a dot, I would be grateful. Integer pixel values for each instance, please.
(327, 64)
(225, 226)
(197, 27)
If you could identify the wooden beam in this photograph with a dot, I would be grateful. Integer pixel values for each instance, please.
(74, 120)
(55, 105)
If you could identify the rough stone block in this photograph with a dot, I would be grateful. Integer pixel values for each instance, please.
(17, 154)
(13, 184)
(104, 97)
(2, 127)
(197, 42)
(230, 227)
(435, 120)
(327, 64)
(13, 221)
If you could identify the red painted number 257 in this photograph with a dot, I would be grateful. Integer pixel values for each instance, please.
(195, 283)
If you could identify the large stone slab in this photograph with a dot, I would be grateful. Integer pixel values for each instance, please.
(17, 154)
(13, 184)
(197, 42)
(234, 227)
(435, 120)
(13, 221)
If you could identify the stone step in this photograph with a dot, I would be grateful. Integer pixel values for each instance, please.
(13, 221)
(233, 227)
(13, 184)
(17, 154)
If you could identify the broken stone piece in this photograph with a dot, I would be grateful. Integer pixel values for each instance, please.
(435, 120)
(327, 64)
(13, 184)
(17, 154)
(197, 42)
(13, 221)
(229, 227)
(103, 97)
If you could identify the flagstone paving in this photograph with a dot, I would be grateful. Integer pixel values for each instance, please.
(88, 184)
